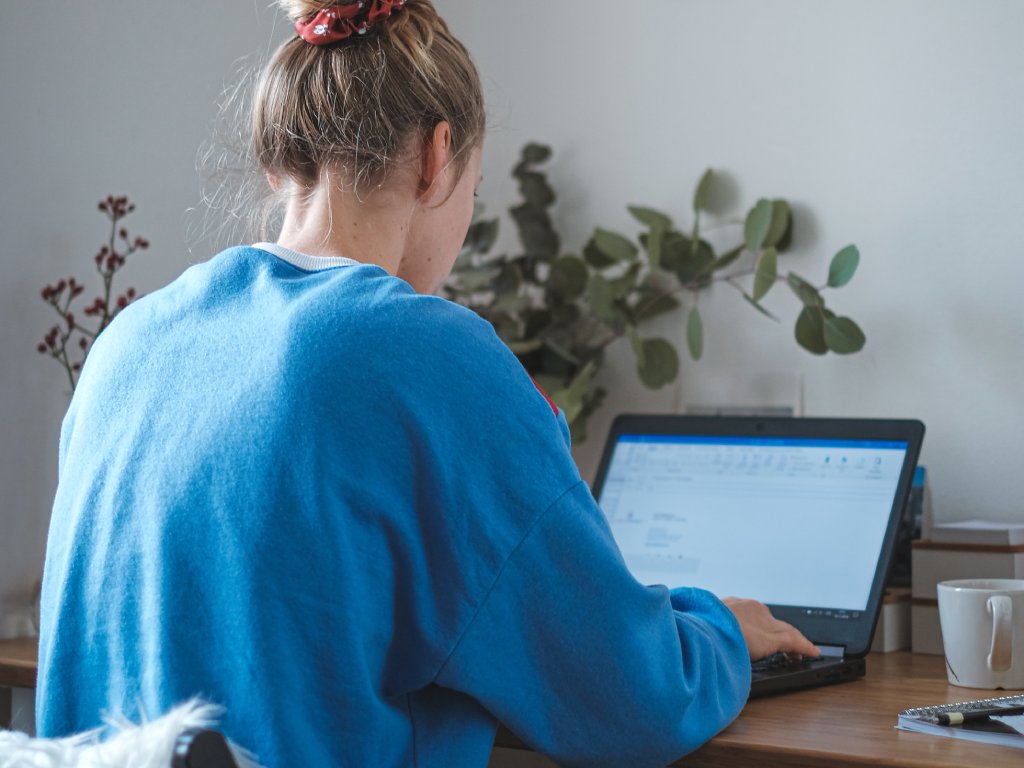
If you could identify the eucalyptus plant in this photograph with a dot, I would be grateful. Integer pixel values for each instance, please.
(558, 312)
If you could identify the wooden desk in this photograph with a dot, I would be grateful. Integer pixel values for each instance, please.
(17, 671)
(18, 663)
(840, 725)
(850, 724)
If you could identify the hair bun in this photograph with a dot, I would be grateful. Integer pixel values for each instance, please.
(297, 10)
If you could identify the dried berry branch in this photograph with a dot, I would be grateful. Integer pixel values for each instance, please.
(69, 335)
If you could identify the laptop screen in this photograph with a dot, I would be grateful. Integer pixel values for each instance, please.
(788, 521)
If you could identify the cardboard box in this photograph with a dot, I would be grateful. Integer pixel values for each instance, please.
(933, 562)
(893, 630)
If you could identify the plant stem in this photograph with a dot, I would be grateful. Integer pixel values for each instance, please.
(62, 358)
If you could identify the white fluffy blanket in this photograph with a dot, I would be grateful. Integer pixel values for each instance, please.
(149, 745)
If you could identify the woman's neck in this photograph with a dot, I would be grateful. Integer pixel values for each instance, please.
(330, 221)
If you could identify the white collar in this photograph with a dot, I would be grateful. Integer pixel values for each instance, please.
(305, 261)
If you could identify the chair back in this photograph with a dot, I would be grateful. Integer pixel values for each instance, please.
(202, 749)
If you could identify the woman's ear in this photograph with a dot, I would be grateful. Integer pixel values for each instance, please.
(436, 157)
(274, 182)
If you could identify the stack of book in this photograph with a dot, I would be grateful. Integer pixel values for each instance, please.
(893, 630)
(973, 549)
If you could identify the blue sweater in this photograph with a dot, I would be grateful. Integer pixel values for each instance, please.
(343, 511)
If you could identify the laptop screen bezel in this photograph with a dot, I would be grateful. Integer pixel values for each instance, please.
(852, 634)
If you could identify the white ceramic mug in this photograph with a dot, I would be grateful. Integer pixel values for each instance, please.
(983, 632)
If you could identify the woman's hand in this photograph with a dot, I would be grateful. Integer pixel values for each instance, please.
(765, 634)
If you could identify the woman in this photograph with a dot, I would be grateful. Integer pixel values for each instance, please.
(295, 483)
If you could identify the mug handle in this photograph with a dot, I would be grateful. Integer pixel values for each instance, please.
(1000, 608)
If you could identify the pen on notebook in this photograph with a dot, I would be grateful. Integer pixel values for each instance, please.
(957, 717)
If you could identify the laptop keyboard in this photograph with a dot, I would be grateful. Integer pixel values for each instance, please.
(779, 663)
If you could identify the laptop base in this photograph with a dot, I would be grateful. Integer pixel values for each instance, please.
(815, 673)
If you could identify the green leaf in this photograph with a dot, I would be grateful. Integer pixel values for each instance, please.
(780, 224)
(565, 315)
(807, 293)
(535, 189)
(675, 250)
(539, 240)
(844, 265)
(625, 284)
(471, 280)
(725, 259)
(561, 351)
(695, 261)
(601, 298)
(536, 321)
(481, 235)
(637, 344)
(554, 364)
(653, 246)
(759, 307)
(536, 153)
(510, 280)
(759, 221)
(810, 331)
(843, 336)
(652, 219)
(535, 231)
(767, 272)
(572, 399)
(614, 245)
(595, 256)
(695, 334)
(661, 363)
(568, 403)
(651, 307)
(568, 277)
(703, 191)
(507, 287)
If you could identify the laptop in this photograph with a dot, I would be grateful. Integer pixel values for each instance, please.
(798, 513)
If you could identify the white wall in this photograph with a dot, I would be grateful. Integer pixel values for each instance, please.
(895, 125)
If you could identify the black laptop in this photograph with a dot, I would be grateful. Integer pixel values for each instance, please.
(798, 513)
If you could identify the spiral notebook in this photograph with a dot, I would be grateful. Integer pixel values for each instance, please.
(1007, 731)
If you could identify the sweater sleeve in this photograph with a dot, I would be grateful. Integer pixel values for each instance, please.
(588, 666)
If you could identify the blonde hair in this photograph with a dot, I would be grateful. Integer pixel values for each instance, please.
(354, 106)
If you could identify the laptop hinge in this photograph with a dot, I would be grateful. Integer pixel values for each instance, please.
(832, 651)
